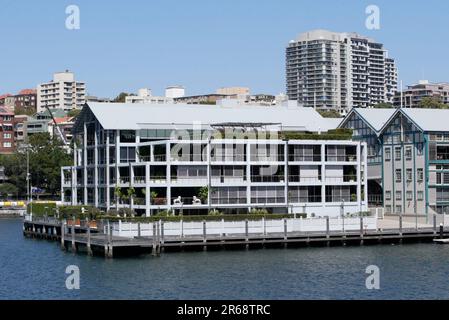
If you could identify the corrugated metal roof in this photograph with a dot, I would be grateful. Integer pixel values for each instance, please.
(376, 118)
(429, 119)
(137, 116)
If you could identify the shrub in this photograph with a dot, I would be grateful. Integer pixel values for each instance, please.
(42, 209)
(68, 212)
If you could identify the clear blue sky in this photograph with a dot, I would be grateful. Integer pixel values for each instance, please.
(202, 44)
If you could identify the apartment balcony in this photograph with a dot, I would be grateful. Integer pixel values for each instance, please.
(267, 200)
(139, 180)
(228, 201)
(192, 180)
(305, 158)
(304, 179)
(341, 179)
(216, 180)
(305, 199)
(229, 158)
(124, 180)
(158, 179)
(341, 158)
(267, 179)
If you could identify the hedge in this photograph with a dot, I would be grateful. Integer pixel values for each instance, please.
(42, 209)
(77, 211)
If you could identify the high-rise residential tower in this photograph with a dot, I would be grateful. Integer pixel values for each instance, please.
(330, 70)
(63, 92)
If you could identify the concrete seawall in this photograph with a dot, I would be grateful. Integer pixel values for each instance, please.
(12, 213)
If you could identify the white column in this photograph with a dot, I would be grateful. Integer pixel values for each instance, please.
(108, 189)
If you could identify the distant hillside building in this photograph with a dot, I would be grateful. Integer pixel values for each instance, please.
(233, 91)
(414, 94)
(63, 92)
(7, 145)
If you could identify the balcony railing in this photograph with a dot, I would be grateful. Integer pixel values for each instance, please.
(176, 179)
(305, 199)
(158, 179)
(241, 200)
(228, 179)
(309, 158)
(139, 179)
(228, 158)
(298, 178)
(160, 157)
(267, 200)
(345, 158)
(273, 178)
(199, 157)
(124, 179)
(339, 179)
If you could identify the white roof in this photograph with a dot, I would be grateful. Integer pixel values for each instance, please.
(429, 119)
(376, 118)
(140, 116)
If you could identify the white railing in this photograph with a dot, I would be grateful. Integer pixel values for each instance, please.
(263, 226)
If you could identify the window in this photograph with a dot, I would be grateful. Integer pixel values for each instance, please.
(420, 195)
(398, 195)
(6, 136)
(6, 144)
(419, 149)
(397, 153)
(420, 174)
(387, 195)
(408, 153)
(398, 209)
(409, 175)
(387, 209)
(387, 154)
(398, 175)
(409, 195)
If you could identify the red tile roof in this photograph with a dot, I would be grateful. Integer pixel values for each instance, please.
(27, 91)
(3, 96)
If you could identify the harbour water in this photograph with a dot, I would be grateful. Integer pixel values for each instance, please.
(35, 269)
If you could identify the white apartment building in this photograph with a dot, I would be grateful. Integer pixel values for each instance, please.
(166, 154)
(63, 92)
(144, 96)
(330, 70)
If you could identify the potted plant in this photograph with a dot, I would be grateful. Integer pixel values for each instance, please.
(203, 194)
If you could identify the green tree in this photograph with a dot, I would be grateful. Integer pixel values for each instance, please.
(432, 103)
(24, 111)
(329, 113)
(383, 105)
(7, 190)
(74, 113)
(46, 157)
(121, 97)
(203, 194)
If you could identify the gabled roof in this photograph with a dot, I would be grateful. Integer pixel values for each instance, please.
(375, 118)
(428, 119)
(123, 116)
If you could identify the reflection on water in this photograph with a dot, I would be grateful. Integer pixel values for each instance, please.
(35, 269)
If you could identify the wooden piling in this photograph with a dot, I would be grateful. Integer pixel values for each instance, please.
(89, 249)
(246, 234)
(204, 235)
(73, 235)
(63, 235)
